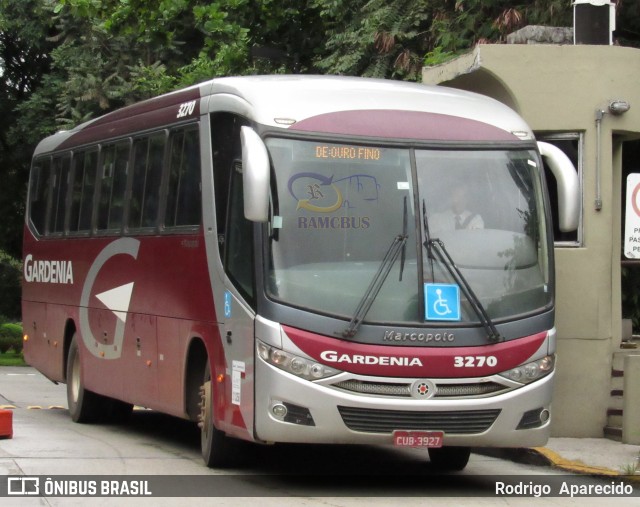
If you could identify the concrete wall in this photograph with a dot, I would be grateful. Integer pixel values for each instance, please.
(559, 89)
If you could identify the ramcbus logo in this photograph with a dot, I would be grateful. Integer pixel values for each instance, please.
(332, 356)
(45, 271)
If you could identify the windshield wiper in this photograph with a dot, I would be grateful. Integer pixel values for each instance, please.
(395, 249)
(435, 247)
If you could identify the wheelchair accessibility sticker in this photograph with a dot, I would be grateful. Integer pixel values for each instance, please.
(442, 301)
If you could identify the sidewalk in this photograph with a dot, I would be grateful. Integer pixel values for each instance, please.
(599, 456)
(592, 456)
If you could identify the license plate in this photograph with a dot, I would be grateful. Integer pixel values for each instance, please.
(418, 438)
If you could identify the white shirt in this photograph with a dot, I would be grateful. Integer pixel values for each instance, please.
(449, 221)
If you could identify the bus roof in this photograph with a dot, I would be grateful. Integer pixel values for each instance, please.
(316, 103)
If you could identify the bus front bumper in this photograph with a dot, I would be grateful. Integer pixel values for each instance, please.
(291, 409)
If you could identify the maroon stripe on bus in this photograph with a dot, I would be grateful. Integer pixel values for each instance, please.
(403, 125)
(154, 113)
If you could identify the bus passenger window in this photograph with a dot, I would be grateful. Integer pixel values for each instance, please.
(148, 155)
(38, 194)
(60, 173)
(113, 173)
(84, 179)
(184, 199)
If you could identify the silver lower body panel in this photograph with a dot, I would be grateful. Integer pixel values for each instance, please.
(336, 416)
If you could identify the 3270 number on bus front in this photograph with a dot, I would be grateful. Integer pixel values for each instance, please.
(474, 361)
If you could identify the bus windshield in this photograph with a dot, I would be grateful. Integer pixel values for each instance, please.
(337, 210)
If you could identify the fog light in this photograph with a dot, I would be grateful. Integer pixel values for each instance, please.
(279, 410)
(545, 415)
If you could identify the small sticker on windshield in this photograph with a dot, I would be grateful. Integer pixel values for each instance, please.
(532, 163)
(276, 223)
(403, 185)
(442, 301)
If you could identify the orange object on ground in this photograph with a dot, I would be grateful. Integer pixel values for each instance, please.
(6, 423)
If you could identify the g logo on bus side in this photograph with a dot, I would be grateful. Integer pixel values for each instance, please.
(117, 300)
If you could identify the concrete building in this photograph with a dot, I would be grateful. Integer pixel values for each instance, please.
(565, 93)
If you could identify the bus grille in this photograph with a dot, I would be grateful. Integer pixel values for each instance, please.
(404, 390)
(386, 421)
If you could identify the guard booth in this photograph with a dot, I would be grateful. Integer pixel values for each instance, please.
(585, 99)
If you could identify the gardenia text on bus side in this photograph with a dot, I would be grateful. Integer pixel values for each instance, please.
(44, 271)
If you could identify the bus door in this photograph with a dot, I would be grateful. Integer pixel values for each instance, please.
(237, 251)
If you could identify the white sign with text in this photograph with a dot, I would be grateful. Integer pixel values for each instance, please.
(632, 218)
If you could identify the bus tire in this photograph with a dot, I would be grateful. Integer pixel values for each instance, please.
(449, 458)
(217, 449)
(84, 405)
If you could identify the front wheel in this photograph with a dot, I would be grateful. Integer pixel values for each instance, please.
(218, 450)
(449, 458)
(84, 405)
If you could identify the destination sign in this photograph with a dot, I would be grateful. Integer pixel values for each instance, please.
(348, 152)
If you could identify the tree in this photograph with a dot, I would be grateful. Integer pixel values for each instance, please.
(382, 38)
(24, 61)
(628, 23)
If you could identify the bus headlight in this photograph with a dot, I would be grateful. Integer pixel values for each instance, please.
(296, 365)
(532, 371)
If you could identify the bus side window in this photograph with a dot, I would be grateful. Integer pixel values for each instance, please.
(60, 168)
(148, 155)
(85, 164)
(38, 193)
(184, 200)
(113, 173)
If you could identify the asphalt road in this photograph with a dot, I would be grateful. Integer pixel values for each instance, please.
(47, 444)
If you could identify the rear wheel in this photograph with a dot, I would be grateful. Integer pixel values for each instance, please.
(449, 458)
(84, 405)
(218, 450)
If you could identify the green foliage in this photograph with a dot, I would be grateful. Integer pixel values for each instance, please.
(393, 39)
(12, 359)
(10, 338)
(24, 60)
(375, 38)
(10, 290)
(628, 23)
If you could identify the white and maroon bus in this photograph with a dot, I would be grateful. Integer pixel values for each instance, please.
(301, 259)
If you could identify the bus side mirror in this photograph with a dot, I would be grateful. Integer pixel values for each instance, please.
(568, 185)
(255, 176)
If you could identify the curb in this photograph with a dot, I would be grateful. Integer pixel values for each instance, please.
(543, 456)
(557, 461)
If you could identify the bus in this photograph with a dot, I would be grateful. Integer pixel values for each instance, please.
(276, 259)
